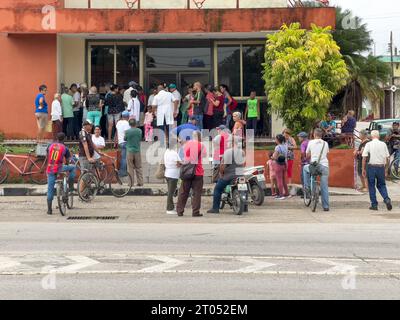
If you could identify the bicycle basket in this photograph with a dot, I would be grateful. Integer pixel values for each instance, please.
(41, 149)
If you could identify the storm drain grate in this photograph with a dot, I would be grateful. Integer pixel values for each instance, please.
(93, 218)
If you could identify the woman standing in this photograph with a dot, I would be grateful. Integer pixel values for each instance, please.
(229, 104)
(238, 127)
(94, 106)
(209, 122)
(199, 102)
(172, 163)
(185, 106)
(219, 108)
(280, 166)
(291, 145)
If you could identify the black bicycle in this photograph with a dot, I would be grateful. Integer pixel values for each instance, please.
(65, 197)
(103, 177)
(311, 196)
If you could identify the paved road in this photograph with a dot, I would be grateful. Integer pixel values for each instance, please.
(280, 251)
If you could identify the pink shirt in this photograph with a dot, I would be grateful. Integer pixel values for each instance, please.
(148, 119)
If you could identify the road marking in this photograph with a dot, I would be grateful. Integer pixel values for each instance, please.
(168, 263)
(338, 268)
(257, 265)
(7, 263)
(81, 263)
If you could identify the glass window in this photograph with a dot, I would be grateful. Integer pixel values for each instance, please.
(178, 58)
(253, 57)
(229, 68)
(127, 64)
(102, 65)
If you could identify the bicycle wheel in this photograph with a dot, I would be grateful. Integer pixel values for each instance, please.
(37, 171)
(62, 206)
(315, 196)
(120, 186)
(88, 186)
(395, 169)
(306, 197)
(69, 200)
(4, 171)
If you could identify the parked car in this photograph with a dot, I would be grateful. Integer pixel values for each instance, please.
(383, 126)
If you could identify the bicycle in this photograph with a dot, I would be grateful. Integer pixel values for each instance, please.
(65, 198)
(311, 197)
(36, 171)
(94, 181)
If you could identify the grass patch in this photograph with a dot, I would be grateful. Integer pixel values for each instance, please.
(16, 149)
(343, 147)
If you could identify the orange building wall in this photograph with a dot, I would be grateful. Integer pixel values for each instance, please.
(26, 62)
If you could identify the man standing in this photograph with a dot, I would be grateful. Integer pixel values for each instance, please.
(127, 94)
(177, 101)
(252, 112)
(349, 123)
(77, 109)
(41, 112)
(67, 104)
(164, 108)
(317, 151)
(56, 116)
(220, 144)
(378, 154)
(122, 127)
(133, 137)
(115, 104)
(393, 139)
(57, 153)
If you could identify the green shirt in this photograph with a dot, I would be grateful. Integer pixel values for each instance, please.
(133, 137)
(252, 111)
(67, 103)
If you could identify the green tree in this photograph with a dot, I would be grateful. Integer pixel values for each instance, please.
(303, 70)
(367, 72)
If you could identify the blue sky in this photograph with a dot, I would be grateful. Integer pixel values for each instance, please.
(381, 16)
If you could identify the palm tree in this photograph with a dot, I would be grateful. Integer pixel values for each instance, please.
(367, 72)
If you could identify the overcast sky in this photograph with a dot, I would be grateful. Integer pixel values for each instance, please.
(381, 16)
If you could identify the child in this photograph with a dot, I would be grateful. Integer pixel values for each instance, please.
(271, 173)
(148, 124)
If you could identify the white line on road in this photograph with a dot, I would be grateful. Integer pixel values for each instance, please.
(81, 263)
(168, 263)
(257, 265)
(338, 268)
(6, 263)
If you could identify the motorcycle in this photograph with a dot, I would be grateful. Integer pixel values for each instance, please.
(255, 180)
(236, 196)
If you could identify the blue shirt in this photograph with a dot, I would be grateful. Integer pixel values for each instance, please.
(326, 124)
(185, 131)
(37, 104)
(349, 125)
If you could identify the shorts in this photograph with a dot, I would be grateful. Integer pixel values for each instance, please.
(290, 164)
(114, 118)
(42, 120)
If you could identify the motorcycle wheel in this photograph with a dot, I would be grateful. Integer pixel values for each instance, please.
(237, 203)
(257, 195)
(222, 205)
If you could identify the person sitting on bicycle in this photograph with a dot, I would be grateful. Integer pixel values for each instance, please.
(317, 151)
(57, 153)
(231, 167)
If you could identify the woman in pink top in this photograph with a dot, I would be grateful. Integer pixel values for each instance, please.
(272, 176)
(148, 125)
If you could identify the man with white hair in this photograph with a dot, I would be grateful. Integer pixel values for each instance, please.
(378, 154)
(56, 116)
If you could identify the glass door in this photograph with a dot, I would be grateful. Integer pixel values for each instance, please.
(155, 79)
(186, 79)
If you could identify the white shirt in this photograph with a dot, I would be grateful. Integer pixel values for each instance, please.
(77, 101)
(171, 158)
(151, 99)
(56, 110)
(165, 107)
(127, 95)
(134, 108)
(98, 142)
(377, 151)
(315, 147)
(122, 126)
(177, 97)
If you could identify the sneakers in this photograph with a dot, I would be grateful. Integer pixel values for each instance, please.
(172, 212)
(388, 203)
(373, 208)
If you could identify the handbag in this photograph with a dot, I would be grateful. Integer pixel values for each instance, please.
(188, 170)
(160, 172)
(314, 167)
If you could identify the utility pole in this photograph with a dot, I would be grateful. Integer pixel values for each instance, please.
(392, 105)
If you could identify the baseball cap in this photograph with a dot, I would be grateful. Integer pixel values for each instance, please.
(172, 86)
(125, 114)
(87, 123)
(302, 135)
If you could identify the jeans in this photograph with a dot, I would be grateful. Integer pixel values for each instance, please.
(252, 124)
(122, 165)
(199, 121)
(172, 185)
(376, 179)
(52, 177)
(323, 184)
(228, 121)
(218, 190)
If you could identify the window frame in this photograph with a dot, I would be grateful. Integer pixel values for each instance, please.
(240, 44)
(115, 44)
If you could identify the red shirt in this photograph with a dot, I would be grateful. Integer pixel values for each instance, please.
(210, 107)
(57, 152)
(194, 155)
(220, 108)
